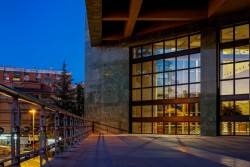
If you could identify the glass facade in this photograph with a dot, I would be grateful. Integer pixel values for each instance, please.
(166, 84)
(165, 74)
(234, 80)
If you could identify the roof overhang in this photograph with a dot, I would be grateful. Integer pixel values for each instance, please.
(110, 21)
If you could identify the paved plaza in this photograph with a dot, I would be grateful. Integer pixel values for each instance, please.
(104, 150)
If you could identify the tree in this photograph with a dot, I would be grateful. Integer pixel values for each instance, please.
(63, 93)
(230, 110)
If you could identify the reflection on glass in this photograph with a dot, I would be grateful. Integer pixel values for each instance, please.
(194, 75)
(147, 94)
(169, 78)
(136, 82)
(226, 87)
(157, 93)
(195, 60)
(242, 53)
(242, 86)
(194, 109)
(158, 48)
(146, 80)
(243, 105)
(146, 127)
(242, 128)
(182, 76)
(136, 111)
(158, 127)
(182, 91)
(227, 108)
(226, 55)
(136, 52)
(169, 110)
(195, 128)
(170, 46)
(227, 128)
(157, 111)
(170, 128)
(226, 71)
(226, 35)
(170, 64)
(195, 90)
(242, 32)
(182, 43)
(136, 69)
(146, 111)
(158, 79)
(158, 66)
(182, 128)
(242, 69)
(182, 110)
(136, 127)
(147, 50)
(195, 41)
(169, 92)
(182, 62)
(136, 95)
(146, 67)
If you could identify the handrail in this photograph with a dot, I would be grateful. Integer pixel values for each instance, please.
(75, 128)
(26, 156)
(30, 99)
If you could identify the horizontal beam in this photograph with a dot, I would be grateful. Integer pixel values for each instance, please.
(169, 19)
(114, 19)
(155, 19)
(112, 37)
(169, 15)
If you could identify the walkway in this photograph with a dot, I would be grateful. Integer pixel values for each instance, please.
(159, 151)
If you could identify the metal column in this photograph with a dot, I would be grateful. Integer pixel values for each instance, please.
(15, 132)
(71, 132)
(56, 134)
(81, 130)
(65, 132)
(76, 131)
(42, 138)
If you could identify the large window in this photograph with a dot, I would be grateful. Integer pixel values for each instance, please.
(234, 70)
(234, 80)
(176, 77)
(163, 71)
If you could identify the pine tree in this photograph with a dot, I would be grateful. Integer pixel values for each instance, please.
(63, 92)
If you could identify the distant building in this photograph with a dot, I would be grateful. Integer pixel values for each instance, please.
(37, 83)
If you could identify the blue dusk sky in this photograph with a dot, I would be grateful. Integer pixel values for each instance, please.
(42, 34)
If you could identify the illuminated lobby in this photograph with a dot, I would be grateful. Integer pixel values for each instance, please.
(167, 68)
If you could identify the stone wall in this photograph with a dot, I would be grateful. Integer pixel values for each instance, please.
(107, 85)
(209, 87)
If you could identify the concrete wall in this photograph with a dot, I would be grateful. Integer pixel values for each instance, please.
(107, 85)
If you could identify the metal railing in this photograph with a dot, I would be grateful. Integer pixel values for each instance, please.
(68, 129)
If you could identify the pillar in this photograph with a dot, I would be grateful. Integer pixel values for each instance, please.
(209, 86)
(15, 132)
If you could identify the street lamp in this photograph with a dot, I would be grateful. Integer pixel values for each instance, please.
(33, 129)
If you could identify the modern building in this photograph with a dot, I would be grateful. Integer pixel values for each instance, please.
(169, 67)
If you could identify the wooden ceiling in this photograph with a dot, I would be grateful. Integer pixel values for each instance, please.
(112, 20)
